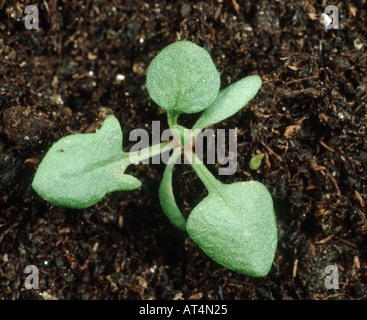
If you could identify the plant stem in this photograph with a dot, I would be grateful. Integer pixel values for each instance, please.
(210, 182)
(166, 195)
(149, 152)
(172, 119)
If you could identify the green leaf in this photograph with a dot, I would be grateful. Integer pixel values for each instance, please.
(166, 195)
(182, 78)
(236, 227)
(255, 161)
(229, 101)
(80, 169)
(235, 224)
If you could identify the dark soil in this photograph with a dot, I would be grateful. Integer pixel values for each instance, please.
(309, 119)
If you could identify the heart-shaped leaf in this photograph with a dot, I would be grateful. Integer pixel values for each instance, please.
(182, 78)
(80, 169)
(229, 101)
(235, 226)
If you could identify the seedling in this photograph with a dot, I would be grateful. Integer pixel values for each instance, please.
(234, 224)
(255, 161)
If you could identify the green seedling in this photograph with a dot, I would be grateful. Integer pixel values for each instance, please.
(234, 224)
(255, 161)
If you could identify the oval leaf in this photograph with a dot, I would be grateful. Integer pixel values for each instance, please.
(236, 227)
(80, 169)
(229, 101)
(182, 78)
